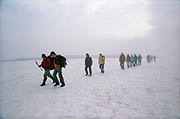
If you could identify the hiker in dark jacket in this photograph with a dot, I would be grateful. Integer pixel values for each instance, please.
(58, 64)
(88, 64)
(46, 65)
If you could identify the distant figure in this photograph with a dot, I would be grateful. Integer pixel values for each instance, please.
(88, 64)
(139, 59)
(149, 58)
(101, 62)
(135, 59)
(46, 65)
(122, 60)
(59, 62)
(132, 61)
(154, 58)
(128, 60)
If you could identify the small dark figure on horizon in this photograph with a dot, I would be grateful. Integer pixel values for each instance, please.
(139, 59)
(149, 58)
(154, 58)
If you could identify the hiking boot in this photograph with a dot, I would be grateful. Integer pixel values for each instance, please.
(44, 81)
(56, 84)
(43, 84)
(62, 85)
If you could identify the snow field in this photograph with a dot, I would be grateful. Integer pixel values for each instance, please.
(149, 91)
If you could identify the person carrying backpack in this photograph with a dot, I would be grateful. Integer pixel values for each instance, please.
(46, 65)
(88, 64)
(122, 60)
(59, 62)
(101, 62)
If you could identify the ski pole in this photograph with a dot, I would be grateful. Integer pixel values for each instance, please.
(38, 65)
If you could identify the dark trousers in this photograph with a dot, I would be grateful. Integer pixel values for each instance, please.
(128, 64)
(135, 62)
(86, 70)
(101, 66)
(47, 74)
(122, 65)
(59, 71)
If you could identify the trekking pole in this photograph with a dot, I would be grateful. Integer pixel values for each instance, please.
(38, 65)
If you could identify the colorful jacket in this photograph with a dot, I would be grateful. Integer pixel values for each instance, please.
(45, 63)
(128, 59)
(122, 58)
(101, 59)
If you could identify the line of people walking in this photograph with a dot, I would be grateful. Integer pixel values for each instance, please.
(56, 62)
(132, 60)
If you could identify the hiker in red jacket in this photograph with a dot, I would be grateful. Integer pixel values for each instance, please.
(46, 65)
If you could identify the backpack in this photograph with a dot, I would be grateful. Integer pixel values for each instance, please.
(60, 60)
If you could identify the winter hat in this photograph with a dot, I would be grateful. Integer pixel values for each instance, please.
(52, 52)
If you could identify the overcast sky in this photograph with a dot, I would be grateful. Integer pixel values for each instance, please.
(72, 27)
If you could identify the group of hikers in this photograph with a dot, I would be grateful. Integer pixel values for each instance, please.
(132, 60)
(56, 62)
(53, 62)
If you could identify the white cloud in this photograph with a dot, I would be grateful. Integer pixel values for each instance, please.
(98, 18)
(101, 18)
(82, 24)
(94, 6)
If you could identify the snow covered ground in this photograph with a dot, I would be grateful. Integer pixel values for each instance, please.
(150, 91)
